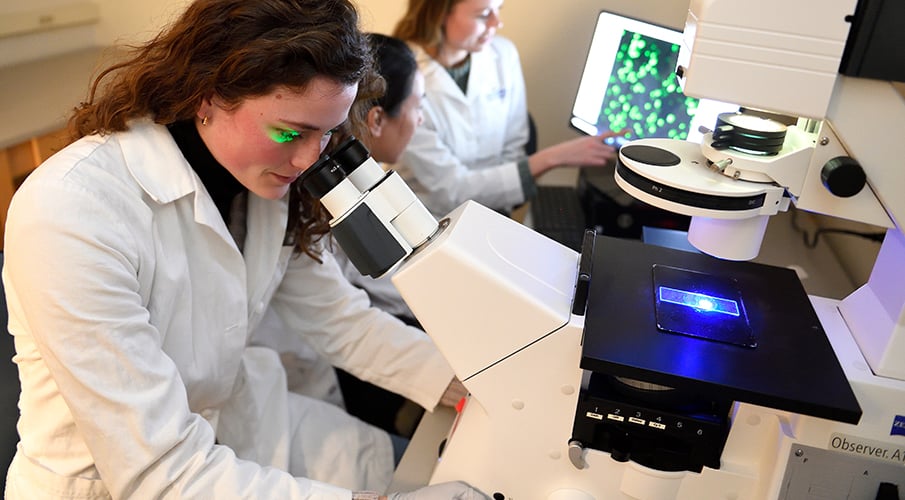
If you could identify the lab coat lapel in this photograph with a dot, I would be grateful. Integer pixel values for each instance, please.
(171, 177)
(484, 63)
(434, 71)
(487, 102)
(266, 228)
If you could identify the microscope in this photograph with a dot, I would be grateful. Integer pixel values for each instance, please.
(630, 371)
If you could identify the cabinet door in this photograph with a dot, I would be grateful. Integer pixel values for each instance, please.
(17, 161)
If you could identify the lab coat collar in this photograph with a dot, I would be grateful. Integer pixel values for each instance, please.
(482, 63)
(148, 143)
(431, 68)
(157, 164)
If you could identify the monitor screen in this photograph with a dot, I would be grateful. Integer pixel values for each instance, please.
(629, 84)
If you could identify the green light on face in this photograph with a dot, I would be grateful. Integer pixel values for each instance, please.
(283, 135)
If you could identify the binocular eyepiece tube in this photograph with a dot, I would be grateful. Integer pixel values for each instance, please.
(377, 219)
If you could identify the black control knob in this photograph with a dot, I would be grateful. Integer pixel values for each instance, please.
(620, 446)
(887, 491)
(843, 176)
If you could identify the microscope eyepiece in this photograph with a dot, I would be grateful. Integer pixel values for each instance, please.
(350, 154)
(377, 219)
(322, 177)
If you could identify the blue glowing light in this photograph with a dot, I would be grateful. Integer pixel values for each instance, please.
(699, 301)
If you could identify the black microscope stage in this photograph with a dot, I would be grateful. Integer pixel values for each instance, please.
(736, 331)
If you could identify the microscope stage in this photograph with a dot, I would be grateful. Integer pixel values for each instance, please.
(730, 330)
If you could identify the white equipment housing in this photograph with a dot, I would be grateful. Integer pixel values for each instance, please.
(497, 298)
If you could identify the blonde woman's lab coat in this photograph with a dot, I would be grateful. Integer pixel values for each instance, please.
(131, 305)
(468, 144)
(467, 147)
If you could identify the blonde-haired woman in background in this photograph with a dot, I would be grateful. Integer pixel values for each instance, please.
(471, 145)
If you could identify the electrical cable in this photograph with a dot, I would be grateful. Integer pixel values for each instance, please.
(810, 241)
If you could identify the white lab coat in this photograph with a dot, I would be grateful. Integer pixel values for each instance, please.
(131, 306)
(468, 145)
(467, 148)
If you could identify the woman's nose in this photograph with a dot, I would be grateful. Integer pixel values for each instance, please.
(495, 20)
(305, 155)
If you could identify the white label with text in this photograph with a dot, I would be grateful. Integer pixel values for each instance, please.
(868, 448)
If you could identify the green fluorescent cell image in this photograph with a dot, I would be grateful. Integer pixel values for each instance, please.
(643, 95)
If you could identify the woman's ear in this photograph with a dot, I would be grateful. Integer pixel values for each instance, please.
(206, 109)
(376, 120)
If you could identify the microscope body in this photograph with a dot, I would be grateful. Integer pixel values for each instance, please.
(508, 322)
(511, 309)
(521, 432)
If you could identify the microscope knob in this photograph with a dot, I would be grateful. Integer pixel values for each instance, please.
(843, 176)
(576, 454)
(887, 491)
(620, 446)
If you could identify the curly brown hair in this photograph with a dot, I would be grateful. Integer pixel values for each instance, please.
(237, 49)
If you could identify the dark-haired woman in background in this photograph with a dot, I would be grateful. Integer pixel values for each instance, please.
(390, 124)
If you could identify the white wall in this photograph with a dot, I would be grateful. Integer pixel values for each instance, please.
(135, 20)
(120, 21)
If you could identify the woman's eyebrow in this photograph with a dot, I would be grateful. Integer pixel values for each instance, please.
(309, 126)
(299, 125)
